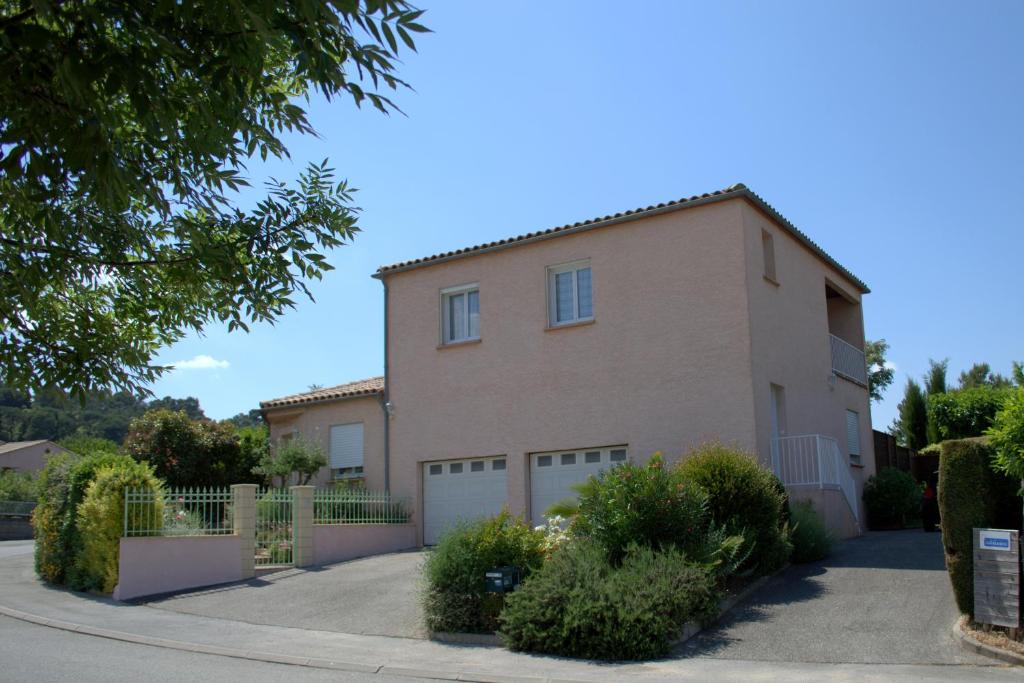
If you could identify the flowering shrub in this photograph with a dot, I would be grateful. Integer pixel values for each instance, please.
(555, 534)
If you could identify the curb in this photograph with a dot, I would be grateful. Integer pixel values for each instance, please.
(971, 644)
(459, 638)
(269, 657)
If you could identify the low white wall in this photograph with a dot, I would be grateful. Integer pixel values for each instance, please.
(341, 542)
(158, 564)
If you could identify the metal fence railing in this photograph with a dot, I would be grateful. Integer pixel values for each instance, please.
(274, 533)
(178, 512)
(16, 508)
(357, 506)
(848, 361)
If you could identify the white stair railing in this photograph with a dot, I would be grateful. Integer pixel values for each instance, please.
(814, 460)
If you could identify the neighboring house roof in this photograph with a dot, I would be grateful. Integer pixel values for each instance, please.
(738, 190)
(364, 387)
(12, 446)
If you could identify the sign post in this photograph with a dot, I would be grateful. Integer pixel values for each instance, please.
(997, 577)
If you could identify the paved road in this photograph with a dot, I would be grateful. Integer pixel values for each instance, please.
(883, 598)
(37, 653)
(374, 596)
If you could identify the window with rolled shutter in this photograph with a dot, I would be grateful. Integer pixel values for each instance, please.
(347, 447)
(853, 434)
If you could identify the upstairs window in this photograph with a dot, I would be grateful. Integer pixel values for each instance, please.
(768, 247)
(460, 314)
(569, 293)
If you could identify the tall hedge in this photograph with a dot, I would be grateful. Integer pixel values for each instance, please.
(101, 519)
(971, 494)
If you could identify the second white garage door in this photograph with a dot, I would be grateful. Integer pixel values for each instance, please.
(458, 490)
(552, 475)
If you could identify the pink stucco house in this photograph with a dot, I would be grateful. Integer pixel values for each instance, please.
(516, 368)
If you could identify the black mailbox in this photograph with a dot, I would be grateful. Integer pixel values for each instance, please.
(502, 580)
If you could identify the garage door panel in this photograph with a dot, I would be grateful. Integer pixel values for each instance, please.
(552, 475)
(464, 492)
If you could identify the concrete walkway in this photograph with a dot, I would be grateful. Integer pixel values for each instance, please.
(23, 597)
(373, 596)
(882, 598)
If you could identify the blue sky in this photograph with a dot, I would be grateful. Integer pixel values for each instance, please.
(891, 133)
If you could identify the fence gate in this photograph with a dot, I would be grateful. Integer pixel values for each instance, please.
(274, 528)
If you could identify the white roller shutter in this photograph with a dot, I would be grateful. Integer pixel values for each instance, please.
(853, 433)
(346, 446)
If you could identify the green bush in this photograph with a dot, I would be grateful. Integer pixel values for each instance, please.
(580, 605)
(892, 499)
(971, 494)
(649, 505)
(17, 486)
(454, 598)
(744, 498)
(965, 413)
(62, 488)
(812, 540)
(101, 520)
(1007, 435)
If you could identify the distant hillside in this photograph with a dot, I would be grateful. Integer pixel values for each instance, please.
(52, 415)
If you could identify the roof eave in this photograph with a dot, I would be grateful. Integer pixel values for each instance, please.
(737, 192)
(265, 407)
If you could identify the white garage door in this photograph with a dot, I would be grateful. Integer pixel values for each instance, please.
(455, 490)
(553, 474)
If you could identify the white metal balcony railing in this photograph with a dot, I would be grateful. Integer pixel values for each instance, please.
(848, 361)
(814, 460)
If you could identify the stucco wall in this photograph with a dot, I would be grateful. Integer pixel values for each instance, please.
(314, 422)
(833, 509)
(342, 542)
(31, 458)
(664, 366)
(160, 564)
(790, 344)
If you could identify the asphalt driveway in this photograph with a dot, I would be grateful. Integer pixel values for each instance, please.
(373, 596)
(883, 598)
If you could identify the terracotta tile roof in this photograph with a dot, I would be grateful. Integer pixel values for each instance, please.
(364, 387)
(738, 190)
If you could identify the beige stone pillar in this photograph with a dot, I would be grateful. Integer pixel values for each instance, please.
(243, 500)
(302, 525)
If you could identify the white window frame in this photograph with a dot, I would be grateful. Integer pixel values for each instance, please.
(572, 267)
(448, 293)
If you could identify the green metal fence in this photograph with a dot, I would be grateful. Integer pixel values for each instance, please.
(273, 527)
(358, 506)
(178, 512)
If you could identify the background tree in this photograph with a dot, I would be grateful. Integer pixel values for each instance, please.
(935, 380)
(880, 376)
(186, 452)
(252, 418)
(911, 425)
(125, 129)
(1007, 437)
(981, 375)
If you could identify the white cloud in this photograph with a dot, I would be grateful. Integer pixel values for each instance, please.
(201, 362)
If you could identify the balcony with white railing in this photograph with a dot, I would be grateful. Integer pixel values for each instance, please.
(815, 461)
(848, 361)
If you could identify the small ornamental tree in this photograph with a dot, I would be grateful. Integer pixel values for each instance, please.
(297, 458)
(1006, 435)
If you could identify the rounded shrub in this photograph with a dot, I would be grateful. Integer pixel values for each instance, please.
(744, 498)
(971, 494)
(101, 521)
(454, 598)
(647, 505)
(811, 538)
(891, 498)
(580, 605)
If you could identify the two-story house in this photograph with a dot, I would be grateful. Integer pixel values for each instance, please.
(517, 368)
